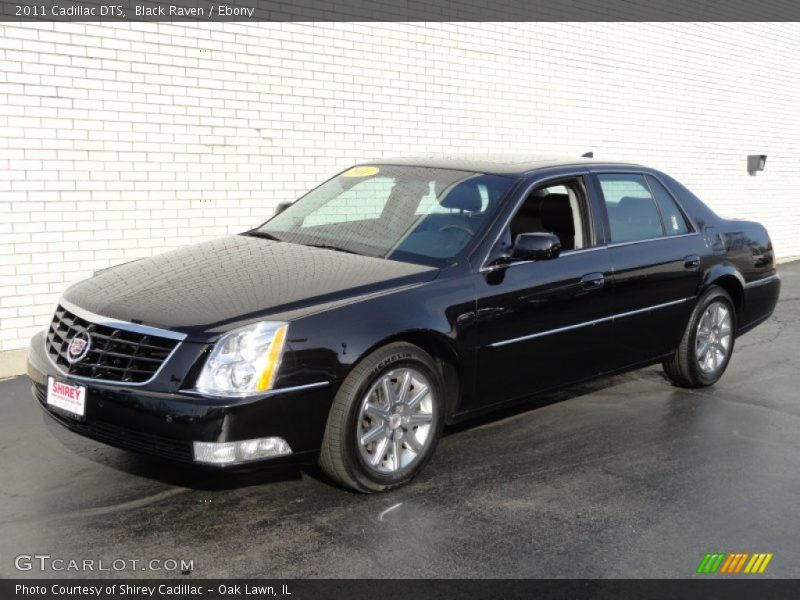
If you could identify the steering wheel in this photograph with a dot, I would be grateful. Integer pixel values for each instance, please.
(462, 228)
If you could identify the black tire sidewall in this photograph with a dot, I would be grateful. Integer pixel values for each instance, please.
(409, 357)
(714, 294)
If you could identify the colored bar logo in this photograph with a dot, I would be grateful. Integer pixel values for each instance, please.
(735, 562)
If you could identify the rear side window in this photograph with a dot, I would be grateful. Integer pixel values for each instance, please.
(632, 211)
(674, 221)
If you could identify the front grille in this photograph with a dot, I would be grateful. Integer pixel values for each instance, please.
(122, 437)
(114, 354)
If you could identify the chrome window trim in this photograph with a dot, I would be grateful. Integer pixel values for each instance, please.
(582, 250)
(272, 392)
(655, 239)
(124, 325)
(590, 249)
(762, 281)
(491, 268)
(588, 323)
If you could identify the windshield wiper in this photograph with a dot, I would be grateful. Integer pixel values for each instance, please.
(262, 234)
(329, 247)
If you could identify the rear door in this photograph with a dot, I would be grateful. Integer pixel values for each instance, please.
(655, 252)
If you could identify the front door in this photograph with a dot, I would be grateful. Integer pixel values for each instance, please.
(545, 323)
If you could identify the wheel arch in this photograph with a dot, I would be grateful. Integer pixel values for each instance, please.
(730, 279)
(442, 349)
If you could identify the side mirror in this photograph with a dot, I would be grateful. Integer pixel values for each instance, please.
(282, 207)
(536, 246)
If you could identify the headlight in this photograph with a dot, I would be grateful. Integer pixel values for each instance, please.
(244, 361)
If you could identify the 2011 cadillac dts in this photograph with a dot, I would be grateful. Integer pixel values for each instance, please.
(394, 299)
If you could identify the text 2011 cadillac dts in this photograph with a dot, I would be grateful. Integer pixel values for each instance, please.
(394, 299)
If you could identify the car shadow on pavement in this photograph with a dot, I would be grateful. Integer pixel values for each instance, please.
(197, 478)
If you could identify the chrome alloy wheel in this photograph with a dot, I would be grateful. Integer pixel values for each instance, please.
(394, 423)
(713, 339)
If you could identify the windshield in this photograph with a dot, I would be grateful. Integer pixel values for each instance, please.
(413, 214)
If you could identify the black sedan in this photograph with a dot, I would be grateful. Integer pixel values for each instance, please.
(397, 298)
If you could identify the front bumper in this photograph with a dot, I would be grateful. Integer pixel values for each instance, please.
(166, 424)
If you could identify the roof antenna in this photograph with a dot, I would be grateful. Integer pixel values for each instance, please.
(587, 155)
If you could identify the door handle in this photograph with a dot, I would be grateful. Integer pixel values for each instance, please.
(593, 281)
(691, 262)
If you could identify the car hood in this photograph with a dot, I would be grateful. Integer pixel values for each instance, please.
(213, 286)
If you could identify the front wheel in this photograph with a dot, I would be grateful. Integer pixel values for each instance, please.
(385, 421)
(707, 344)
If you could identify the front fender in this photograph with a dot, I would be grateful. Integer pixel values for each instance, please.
(438, 315)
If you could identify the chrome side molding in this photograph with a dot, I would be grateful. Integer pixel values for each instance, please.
(762, 281)
(588, 323)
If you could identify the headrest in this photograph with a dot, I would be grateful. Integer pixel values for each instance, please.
(464, 196)
(556, 213)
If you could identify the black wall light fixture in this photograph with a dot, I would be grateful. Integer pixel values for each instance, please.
(756, 163)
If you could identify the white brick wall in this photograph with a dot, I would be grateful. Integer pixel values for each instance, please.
(123, 140)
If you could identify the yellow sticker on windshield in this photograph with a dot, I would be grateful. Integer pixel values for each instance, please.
(360, 172)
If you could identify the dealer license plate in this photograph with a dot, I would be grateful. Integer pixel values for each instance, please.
(67, 397)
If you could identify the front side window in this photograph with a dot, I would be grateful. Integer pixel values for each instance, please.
(557, 209)
(632, 211)
(414, 214)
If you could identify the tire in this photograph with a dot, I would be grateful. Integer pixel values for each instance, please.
(364, 410)
(689, 367)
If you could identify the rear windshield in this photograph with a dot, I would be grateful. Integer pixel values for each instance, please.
(413, 214)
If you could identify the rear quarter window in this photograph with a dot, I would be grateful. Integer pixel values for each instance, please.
(674, 219)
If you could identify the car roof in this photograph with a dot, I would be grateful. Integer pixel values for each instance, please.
(496, 164)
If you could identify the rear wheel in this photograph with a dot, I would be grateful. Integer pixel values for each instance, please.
(707, 344)
(385, 420)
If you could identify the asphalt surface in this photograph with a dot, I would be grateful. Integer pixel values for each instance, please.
(625, 477)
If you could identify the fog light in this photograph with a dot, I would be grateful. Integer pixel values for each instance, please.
(231, 453)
